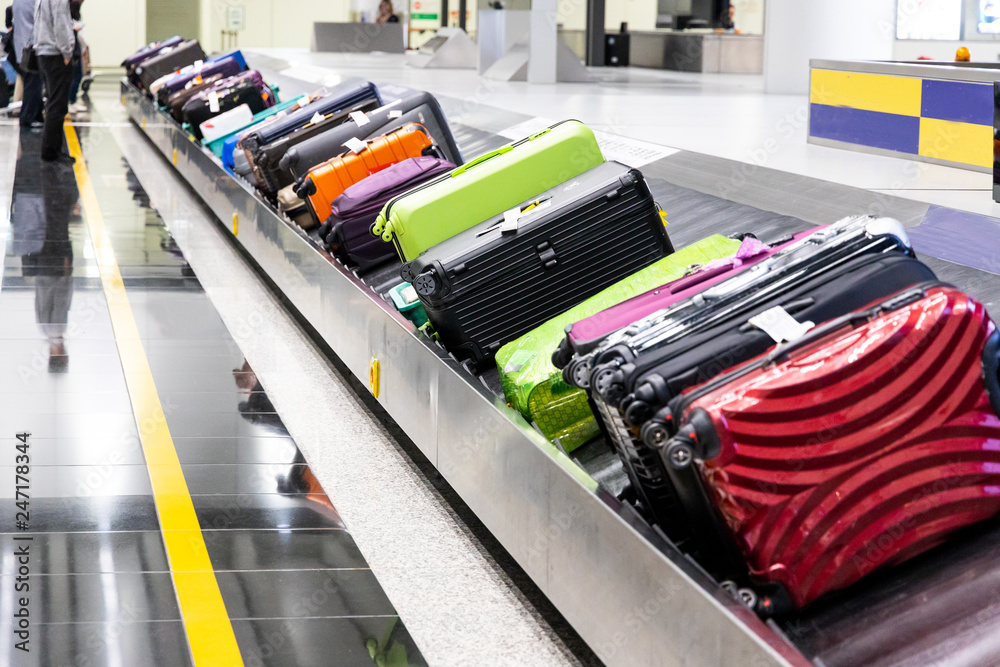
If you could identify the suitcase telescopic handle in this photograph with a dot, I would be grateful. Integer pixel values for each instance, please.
(482, 158)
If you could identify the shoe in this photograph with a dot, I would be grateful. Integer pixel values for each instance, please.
(78, 107)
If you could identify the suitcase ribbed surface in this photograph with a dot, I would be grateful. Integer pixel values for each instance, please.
(503, 294)
(869, 447)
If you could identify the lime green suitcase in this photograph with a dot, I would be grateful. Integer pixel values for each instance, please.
(535, 388)
(486, 187)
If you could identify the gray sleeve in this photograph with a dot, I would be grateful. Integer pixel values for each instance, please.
(63, 27)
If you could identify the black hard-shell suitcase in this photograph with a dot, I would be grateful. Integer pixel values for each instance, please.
(635, 374)
(502, 278)
(339, 98)
(420, 108)
(197, 111)
(168, 61)
(267, 159)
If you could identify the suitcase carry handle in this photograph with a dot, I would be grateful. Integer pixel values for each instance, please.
(482, 158)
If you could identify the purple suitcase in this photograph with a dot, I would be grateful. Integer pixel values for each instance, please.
(348, 229)
(227, 67)
(586, 335)
(250, 75)
(148, 51)
(132, 62)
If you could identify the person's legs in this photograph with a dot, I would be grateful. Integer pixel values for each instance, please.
(57, 75)
(31, 106)
(74, 83)
(18, 89)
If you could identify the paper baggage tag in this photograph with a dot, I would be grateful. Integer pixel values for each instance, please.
(317, 118)
(213, 102)
(303, 101)
(198, 64)
(355, 145)
(780, 326)
(359, 117)
(395, 113)
(510, 220)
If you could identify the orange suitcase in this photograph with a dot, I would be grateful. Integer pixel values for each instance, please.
(325, 182)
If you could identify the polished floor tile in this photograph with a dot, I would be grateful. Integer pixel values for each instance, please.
(104, 597)
(256, 511)
(45, 425)
(283, 550)
(235, 450)
(108, 513)
(116, 644)
(78, 481)
(303, 594)
(63, 402)
(344, 642)
(227, 478)
(87, 553)
(84, 451)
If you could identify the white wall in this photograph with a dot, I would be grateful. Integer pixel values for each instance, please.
(280, 23)
(749, 16)
(796, 31)
(640, 14)
(909, 49)
(113, 29)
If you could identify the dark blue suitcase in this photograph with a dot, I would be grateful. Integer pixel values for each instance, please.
(341, 97)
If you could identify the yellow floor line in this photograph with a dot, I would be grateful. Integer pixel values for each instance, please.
(209, 630)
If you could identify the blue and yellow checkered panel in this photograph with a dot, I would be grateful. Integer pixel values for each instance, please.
(945, 120)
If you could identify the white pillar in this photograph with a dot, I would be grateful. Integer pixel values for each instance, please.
(544, 41)
(796, 31)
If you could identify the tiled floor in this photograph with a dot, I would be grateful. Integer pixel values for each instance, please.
(295, 586)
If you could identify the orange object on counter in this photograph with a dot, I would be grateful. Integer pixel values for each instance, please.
(963, 55)
(327, 181)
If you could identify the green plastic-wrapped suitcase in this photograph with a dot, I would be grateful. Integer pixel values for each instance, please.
(535, 388)
(486, 187)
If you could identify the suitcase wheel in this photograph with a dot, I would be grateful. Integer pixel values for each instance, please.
(679, 454)
(406, 273)
(577, 374)
(607, 383)
(638, 413)
(655, 433)
(426, 284)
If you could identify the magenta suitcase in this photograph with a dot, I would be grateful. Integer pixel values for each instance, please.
(586, 335)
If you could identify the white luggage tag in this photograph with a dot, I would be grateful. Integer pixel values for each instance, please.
(317, 118)
(355, 145)
(359, 118)
(510, 220)
(780, 326)
(303, 101)
(198, 64)
(395, 113)
(213, 102)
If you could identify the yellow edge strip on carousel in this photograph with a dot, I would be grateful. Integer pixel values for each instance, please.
(209, 630)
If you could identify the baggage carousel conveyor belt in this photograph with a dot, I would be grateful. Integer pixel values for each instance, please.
(575, 540)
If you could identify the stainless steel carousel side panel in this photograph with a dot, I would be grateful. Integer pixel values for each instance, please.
(635, 603)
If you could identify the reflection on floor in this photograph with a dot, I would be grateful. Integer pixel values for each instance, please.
(296, 588)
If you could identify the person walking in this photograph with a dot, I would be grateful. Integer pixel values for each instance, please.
(55, 41)
(31, 86)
